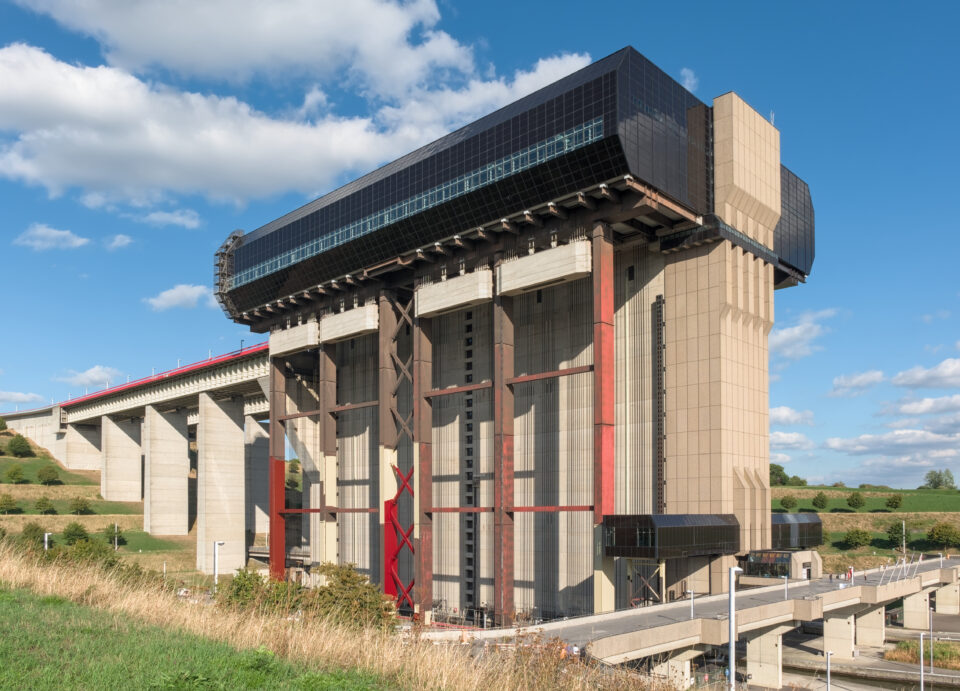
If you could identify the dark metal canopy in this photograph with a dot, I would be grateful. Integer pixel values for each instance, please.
(796, 530)
(671, 536)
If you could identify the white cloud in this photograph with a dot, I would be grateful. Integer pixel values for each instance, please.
(182, 295)
(895, 443)
(785, 415)
(926, 406)
(789, 440)
(118, 138)
(40, 237)
(850, 385)
(939, 314)
(18, 397)
(187, 218)
(115, 242)
(941, 376)
(98, 375)
(797, 341)
(780, 458)
(386, 46)
(689, 79)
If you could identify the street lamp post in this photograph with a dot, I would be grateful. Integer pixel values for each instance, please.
(786, 585)
(931, 643)
(829, 655)
(732, 633)
(921, 661)
(46, 541)
(217, 544)
(691, 593)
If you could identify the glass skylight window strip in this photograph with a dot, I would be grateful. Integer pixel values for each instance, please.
(533, 155)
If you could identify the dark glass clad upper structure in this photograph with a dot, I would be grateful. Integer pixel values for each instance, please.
(621, 115)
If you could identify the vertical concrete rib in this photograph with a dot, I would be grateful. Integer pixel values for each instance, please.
(82, 447)
(257, 461)
(327, 400)
(423, 475)
(221, 484)
(387, 408)
(277, 469)
(166, 455)
(503, 496)
(121, 477)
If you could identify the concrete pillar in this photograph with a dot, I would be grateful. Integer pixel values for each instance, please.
(916, 611)
(327, 400)
(82, 447)
(387, 388)
(948, 599)
(838, 635)
(221, 484)
(303, 434)
(675, 671)
(871, 627)
(166, 457)
(121, 476)
(256, 460)
(604, 575)
(765, 657)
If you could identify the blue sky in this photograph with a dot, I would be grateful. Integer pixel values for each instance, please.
(135, 135)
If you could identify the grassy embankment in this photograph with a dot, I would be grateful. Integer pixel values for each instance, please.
(135, 603)
(55, 643)
(920, 510)
(945, 655)
(149, 551)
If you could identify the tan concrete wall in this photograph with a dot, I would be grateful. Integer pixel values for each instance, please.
(352, 323)
(746, 160)
(82, 447)
(166, 469)
(121, 476)
(295, 338)
(456, 292)
(221, 484)
(564, 263)
(257, 457)
(42, 427)
(719, 310)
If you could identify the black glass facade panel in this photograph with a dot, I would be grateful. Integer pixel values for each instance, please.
(670, 536)
(793, 238)
(796, 530)
(767, 564)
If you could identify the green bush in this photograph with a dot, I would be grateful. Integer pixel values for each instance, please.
(3, 533)
(44, 505)
(48, 475)
(292, 483)
(788, 502)
(820, 501)
(109, 533)
(15, 474)
(7, 504)
(3, 425)
(856, 501)
(19, 446)
(895, 534)
(74, 532)
(32, 534)
(857, 537)
(79, 505)
(294, 466)
(944, 534)
(894, 501)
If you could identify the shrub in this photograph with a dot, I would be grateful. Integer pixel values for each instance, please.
(109, 532)
(838, 484)
(944, 534)
(895, 534)
(74, 532)
(788, 502)
(292, 483)
(7, 504)
(15, 474)
(3, 425)
(855, 501)
(796, 481)
(820, 501)
(32, 534)
(3, 533)
(778, 475)
(44, 505)
(19, 446)
(857, 537)
(48, 475)
(894, 501)
(79, 505)
(294, 466)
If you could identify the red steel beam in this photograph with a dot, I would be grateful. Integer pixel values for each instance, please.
(422, 439)
(277, 470)
(297, 416)
(352, 406)
(462, 509)
(387, 427)
(548, 509)
(503, 363)
(330, 509)
(458, 389)
(603, 372)
(549, 375)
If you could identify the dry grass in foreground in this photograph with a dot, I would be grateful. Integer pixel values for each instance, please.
(405, 662)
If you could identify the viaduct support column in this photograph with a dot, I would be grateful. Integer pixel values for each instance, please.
(303, 437)
(916, 611)
(387, 386)
(277, 469)
(838, 634)
(604, 397)
(423, 460)
(765, 657)
(121, 476)
(221, 484)
(166, 455)
(503, 413)
(326, 549)
(83, 447)
(948, 599)
(256, 460)
(871, 627)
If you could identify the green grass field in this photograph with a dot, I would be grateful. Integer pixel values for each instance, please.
(913, 501)
(879, 545)
(51, 643)
(32, 464)
(97, 507)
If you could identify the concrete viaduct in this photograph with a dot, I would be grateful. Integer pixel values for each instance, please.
(189, 443)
